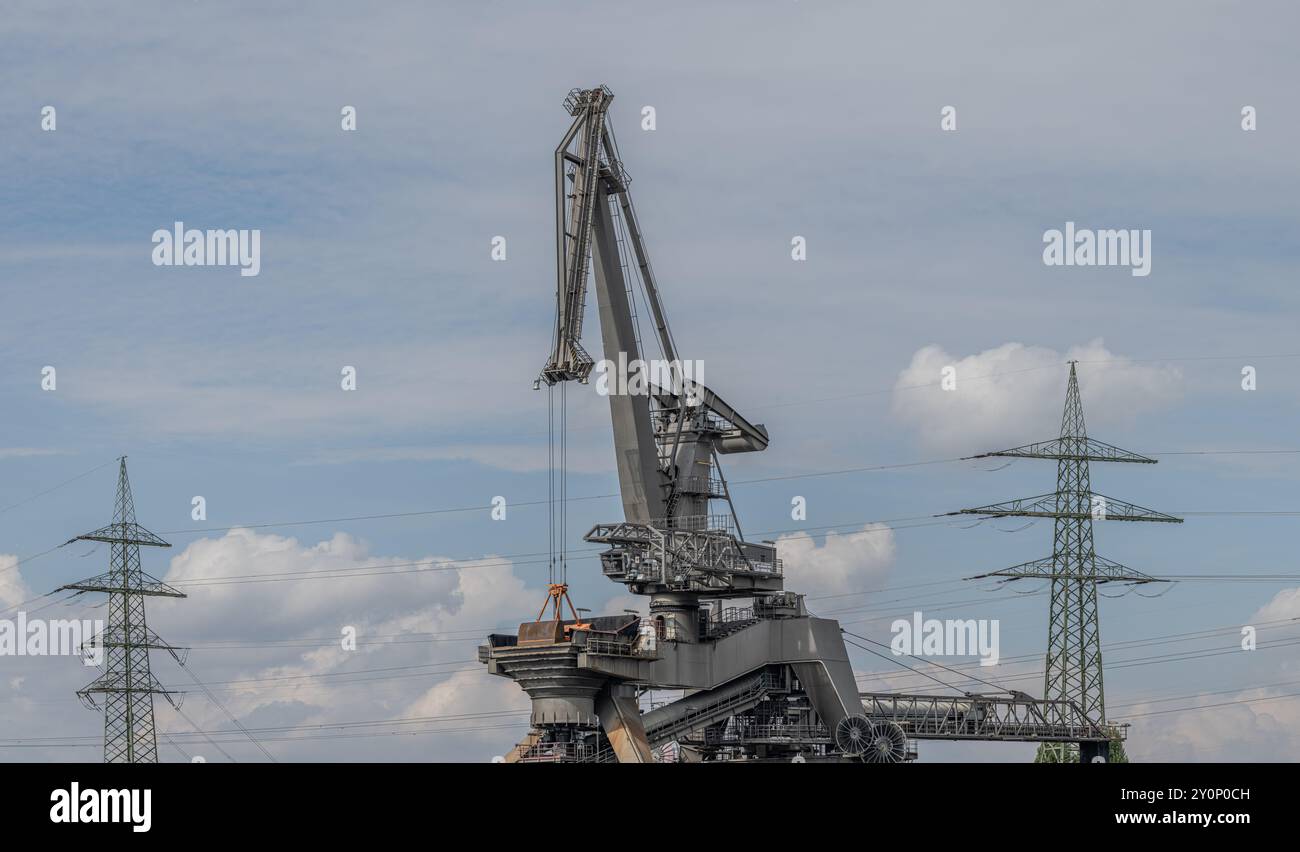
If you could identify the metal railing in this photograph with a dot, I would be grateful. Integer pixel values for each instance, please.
(743, 733)
(708, 559)
(555, 752)
(616, 647)
(699, 716)
(727, 621)
(710, 486)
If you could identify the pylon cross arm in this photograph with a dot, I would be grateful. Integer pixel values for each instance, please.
(1073, 449)
(116, 682)
(116, 636)
(124, 533)
(1089, 504)
(113, 581)
(1101, 571)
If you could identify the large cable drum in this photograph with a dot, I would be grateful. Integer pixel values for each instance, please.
(888, 743)
(853, 735)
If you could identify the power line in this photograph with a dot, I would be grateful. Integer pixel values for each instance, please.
(67, 742)
(307, 737)
(1197, 707)
(39, 494)
(396, 722)
(213, 698)
(340, 674)
(823, 473)
(26, 559)
(900, 663)
(401, 720)
(1150, 641)
(540, 502)
(1185, 696)
(185, 754)
(478, 508)
(1146, 661)
(347, 571)
(930, 662)
(197, 730)
(244, 686)
(297, 688)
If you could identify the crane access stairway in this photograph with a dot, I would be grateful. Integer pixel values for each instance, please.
(698, 722)
(668, 723)
(694, 712)
(728, 621)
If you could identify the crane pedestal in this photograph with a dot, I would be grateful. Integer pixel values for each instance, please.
(766, 682)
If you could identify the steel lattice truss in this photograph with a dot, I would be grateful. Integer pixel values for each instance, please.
(127, 685)
(1074, 666)
(1076, 449)
(704, 560)
(595, 162)
(1076, 505)
(1015, 717)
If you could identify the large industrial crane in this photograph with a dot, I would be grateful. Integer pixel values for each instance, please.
(760, 677)
(769, 662)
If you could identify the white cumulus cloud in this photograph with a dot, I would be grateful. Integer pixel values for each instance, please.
(1285, 604)
(13, 590)
(844, 562)
(417, 622)
(1013, 394)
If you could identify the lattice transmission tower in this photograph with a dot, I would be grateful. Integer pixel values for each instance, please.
(1074, 668)
(127, 685)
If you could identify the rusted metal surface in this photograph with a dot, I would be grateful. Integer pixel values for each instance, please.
(541, 632)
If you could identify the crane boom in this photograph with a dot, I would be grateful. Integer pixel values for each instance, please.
(585, 230)
(666, 440)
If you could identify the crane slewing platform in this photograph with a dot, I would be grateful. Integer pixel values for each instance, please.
(761, 678)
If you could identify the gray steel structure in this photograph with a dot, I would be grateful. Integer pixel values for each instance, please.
(769, 667)
(1074, 570)
(127, 685)
(1015, 717)
(767, 681)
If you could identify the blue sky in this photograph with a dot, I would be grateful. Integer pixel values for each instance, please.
(774, 119)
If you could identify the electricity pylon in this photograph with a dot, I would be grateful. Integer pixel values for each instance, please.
(127, 684)
(1074, 670)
